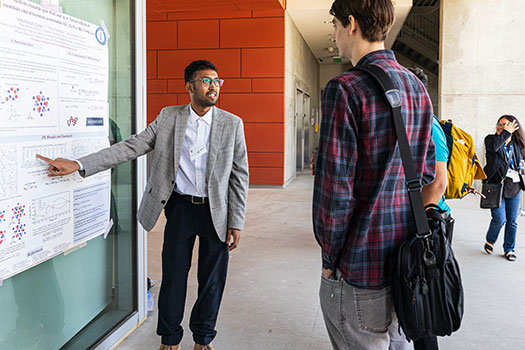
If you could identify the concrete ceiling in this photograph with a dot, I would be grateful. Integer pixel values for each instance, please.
(314, 21)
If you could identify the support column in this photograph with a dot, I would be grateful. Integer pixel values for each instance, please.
(482, 64)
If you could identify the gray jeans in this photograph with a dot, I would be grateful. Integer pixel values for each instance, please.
(360, 319)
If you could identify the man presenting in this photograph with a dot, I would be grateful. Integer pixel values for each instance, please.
(361, 208)
(199, 176)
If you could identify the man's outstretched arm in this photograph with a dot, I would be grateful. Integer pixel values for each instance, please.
(123, 151)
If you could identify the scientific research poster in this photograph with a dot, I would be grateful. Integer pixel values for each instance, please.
(54, 102)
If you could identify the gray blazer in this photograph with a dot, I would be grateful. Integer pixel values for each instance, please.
(227, 165)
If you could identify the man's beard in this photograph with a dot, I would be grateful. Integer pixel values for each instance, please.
(204, 102)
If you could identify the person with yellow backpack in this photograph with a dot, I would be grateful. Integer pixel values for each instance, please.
(457, 165)
(463, 165)
(456, 168)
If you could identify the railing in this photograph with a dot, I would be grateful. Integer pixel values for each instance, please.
(423, 27)
(425, 3)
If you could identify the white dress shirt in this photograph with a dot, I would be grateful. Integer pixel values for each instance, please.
(191, 176)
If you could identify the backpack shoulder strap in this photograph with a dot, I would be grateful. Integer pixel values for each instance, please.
(446, 126)
(412, 181)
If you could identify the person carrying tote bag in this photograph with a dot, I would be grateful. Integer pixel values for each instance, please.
(505, 155)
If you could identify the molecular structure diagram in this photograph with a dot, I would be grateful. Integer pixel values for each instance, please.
(17, 226)
(41, 104)
(2, 232)
(12, 94)
(72, 121)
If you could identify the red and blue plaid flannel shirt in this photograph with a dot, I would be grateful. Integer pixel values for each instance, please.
(361, 209)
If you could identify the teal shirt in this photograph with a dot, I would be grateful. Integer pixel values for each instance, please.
(440, 142)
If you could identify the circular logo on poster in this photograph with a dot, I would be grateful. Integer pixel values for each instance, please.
(100, 34)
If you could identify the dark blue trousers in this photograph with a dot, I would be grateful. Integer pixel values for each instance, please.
(185, 221)
(430, 343)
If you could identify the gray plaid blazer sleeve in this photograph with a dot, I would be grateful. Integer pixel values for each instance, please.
(238, 184)
(129, 149)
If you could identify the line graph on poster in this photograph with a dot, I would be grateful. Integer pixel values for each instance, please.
(50, 208)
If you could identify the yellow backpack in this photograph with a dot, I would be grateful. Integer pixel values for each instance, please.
(463, 165)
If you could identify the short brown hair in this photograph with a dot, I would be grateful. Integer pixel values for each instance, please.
(375, 17)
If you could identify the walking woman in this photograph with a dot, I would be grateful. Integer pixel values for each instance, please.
(505, 153)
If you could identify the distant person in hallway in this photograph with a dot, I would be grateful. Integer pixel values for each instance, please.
(199, 176)
(505, 156)
(361, 208)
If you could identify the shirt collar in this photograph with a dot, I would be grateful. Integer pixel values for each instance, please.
(206, 118)
(376, 55)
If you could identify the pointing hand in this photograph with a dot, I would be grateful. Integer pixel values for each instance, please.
(59, 166)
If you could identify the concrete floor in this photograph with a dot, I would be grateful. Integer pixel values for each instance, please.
(271, 302)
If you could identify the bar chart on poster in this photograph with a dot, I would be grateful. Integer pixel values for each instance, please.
(53, 102)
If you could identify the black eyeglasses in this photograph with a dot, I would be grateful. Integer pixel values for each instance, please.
(207, 81)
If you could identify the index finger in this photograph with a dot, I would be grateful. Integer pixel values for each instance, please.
(45, 159)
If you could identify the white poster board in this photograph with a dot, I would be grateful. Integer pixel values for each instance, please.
(54, 102)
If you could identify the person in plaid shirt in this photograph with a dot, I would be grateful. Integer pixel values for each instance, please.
(361, 209)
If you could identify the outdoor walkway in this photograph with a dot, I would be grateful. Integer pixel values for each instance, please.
(271, 303)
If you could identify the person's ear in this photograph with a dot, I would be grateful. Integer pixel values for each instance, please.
(352, 26)
(189, 87)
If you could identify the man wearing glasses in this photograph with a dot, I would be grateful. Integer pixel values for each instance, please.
(199, 176)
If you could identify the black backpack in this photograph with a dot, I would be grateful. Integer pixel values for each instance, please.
(427, 289)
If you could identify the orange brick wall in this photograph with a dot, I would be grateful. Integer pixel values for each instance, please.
(248, 49)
